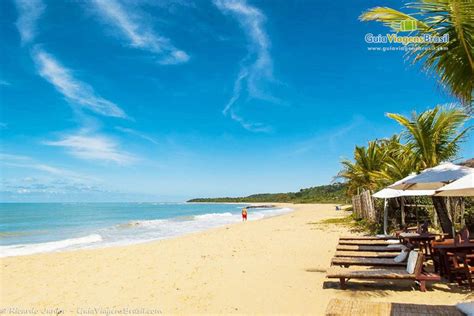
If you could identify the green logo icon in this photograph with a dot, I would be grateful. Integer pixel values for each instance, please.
(408, 25)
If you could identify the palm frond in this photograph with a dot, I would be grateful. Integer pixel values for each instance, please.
(453, 62)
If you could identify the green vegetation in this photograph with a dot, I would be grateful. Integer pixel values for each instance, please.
(453, 61)
(333, 193)
(347, 221)
(356, 225)
(427, 139)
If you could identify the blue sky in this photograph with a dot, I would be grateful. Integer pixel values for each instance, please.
(164, 100)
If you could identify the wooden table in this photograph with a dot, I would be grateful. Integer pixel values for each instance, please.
(422, 241)
(444, 249)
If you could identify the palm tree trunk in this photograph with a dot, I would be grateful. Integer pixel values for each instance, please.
(443, 215)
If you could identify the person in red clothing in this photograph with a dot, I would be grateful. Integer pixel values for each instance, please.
(244, 214)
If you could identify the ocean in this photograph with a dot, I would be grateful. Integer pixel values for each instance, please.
(28, 228)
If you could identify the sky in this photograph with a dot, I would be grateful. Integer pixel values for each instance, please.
(165, 100)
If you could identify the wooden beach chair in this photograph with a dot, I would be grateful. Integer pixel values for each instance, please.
(414, 271)
(341, 307)
(366, 254)
(392, 248)
(368, 238)
(366, 242)
(354, 261)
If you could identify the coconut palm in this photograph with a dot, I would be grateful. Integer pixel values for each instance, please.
(359, 174)
(452, 61)
(435, 136)
(399, 161)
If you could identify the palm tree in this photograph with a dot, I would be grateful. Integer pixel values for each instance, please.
(359, 174)
(399, 161)
(452, 61)
(435, 136)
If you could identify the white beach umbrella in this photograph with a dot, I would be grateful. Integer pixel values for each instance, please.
(388, 193)
(433, 178)
(461, 187)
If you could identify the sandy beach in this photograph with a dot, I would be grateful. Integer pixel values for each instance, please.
(274, 265)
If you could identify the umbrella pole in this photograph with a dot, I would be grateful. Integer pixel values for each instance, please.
(385, 216)
(416, 211)
(402, 210)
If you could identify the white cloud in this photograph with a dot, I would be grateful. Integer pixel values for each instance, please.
(27, 162)
(74, 91)
(29, 11)
(138, 33)
(93, 147)
(329, 139)
(50, 183)
(257, 67)
(137, 134)
(10, 157)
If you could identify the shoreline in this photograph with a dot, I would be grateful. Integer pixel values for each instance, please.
(100, 245)
(245, 268)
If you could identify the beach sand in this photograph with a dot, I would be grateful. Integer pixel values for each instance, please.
(274, 265)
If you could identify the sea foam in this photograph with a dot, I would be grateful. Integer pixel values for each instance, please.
(140, 231)
(28, 249)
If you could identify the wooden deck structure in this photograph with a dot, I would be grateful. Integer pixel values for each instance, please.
(340, 307)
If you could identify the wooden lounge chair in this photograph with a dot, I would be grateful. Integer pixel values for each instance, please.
(366, 242)
(347, 262)
(368, 238)
(392, 248)
(415, 258)
(366, 254)
(340, 307)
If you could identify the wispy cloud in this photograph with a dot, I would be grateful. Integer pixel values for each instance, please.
(250, 126)
(74, 90)
(50, 183)
(257, 67)
(138, 33)
(11, 157)
(27, 162)
(29, 11)
(4, 83)
(137, 134)
(93, 147)
(328, 139)
(47, 186)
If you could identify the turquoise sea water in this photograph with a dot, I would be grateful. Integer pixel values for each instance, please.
(27, 228)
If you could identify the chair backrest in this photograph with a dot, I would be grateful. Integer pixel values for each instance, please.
(419, 263)
(415, 262)
(411, 262)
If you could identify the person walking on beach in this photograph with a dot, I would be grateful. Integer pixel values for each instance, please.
(244, 214)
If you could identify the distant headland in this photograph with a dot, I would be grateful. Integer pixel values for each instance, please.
(332, 193)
